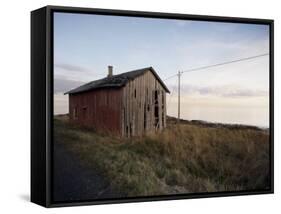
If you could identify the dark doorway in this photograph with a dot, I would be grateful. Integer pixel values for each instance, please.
(156, 109)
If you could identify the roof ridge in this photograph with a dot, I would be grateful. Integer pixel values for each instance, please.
(115, 81)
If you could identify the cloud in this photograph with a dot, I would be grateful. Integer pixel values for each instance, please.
(75, 72)
(246, 93)
(221, 91)
(62, 85)
(70, 67)
(214, 48)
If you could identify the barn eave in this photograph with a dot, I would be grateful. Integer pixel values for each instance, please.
(116, 81)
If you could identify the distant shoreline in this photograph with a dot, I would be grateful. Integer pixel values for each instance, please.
(171, 119)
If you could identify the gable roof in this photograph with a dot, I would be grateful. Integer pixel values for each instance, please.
(116, 81)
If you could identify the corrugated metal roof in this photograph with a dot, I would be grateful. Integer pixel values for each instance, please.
(116, 81)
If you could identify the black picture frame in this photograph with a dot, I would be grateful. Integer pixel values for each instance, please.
(42, 102)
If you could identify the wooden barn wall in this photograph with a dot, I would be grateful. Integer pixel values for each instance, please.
(100, 109)
(138, 109)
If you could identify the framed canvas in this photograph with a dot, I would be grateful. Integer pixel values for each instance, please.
(130, 106)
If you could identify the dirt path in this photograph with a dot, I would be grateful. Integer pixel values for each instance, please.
(74, 182)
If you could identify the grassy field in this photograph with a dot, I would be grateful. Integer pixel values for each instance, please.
(185, 158)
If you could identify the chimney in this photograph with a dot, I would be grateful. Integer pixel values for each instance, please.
(110, 71)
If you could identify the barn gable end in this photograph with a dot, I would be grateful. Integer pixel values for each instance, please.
(144, 105)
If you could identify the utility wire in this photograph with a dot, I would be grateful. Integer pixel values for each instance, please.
(225, 63)
(170, 96)
(219, 64)
(170, 77)
(205, 67)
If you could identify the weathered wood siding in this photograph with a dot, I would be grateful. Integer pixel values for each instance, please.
(133, 110)
(100, 109)
(144, 106)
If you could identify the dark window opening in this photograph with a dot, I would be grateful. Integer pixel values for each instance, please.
(156, 96)
(156, 109)
(156, 112)
(135, 93)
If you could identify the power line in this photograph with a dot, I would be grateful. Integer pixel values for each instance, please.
(171, 95)
(225, 63)
(170, 77)
(205, 67)
(219, 64)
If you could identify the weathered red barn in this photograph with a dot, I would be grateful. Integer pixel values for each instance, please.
(128, 104)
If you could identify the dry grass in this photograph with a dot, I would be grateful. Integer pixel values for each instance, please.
(184, 158)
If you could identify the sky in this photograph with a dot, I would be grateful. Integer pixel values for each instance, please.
(84, 45)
